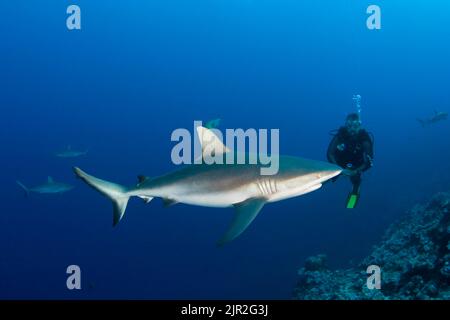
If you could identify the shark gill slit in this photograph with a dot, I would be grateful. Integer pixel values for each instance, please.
(267, 187)
(267, 184)
(260, 184)
(273, 185)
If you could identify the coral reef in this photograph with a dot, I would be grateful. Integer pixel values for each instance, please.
(414, 257)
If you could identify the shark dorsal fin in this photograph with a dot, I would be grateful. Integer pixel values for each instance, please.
(211, 144)
(50, 179)
(211, 124)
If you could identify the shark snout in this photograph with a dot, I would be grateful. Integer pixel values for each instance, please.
(330, 173)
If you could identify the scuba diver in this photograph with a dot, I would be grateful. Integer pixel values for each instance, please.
(352, 149)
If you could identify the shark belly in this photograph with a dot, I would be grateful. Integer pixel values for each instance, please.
(220, 200)
(293, 193)
(209, 186)
(211, 197)
(207, 193)
(44, 190)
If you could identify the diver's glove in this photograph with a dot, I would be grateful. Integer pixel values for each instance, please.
(348, 172)
(370, 160)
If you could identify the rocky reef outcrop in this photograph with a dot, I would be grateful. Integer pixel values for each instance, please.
(413, 256)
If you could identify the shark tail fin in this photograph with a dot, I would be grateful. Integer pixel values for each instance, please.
(421, 122)
(27, 192)
(115, 192)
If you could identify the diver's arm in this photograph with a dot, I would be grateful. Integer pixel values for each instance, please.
(332, 149)
(361, 168)
(368, 156)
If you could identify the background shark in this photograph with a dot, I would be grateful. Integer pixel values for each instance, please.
(70, 153)
(50, 187)
(438, 116)
(221, 185)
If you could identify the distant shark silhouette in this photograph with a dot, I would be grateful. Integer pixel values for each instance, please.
(221, 185)
(70, 153)
(438, 116)
(49, 187)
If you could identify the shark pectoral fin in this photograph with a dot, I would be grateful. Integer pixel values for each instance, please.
(246, 212)
(169, 202)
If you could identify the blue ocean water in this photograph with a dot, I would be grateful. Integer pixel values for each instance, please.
(137, 70)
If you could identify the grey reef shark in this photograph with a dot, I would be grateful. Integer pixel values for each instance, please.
(437, 117)
(221, 185)
(70, 153)
(50, 186)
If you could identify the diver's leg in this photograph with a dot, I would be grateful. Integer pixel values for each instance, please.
(353, 197)
(356, 181)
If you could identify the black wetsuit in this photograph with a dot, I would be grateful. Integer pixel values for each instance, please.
(353, 152)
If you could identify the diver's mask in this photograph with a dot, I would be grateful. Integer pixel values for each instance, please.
(353, 126)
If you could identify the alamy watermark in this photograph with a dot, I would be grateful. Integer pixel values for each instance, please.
(73, 21)
(374, 20)
(251, 147)
(374, 280)
(74, 279)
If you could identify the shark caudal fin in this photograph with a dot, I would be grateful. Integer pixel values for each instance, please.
(115, 192)
(27, 192)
